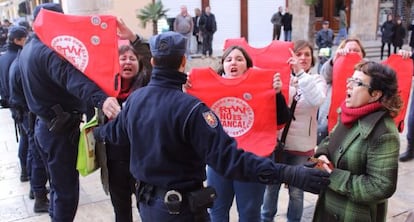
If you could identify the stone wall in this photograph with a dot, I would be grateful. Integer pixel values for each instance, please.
(364, 19)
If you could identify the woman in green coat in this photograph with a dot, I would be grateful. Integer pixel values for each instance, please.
(363, 149)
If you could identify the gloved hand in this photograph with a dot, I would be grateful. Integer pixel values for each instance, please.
(308, 179)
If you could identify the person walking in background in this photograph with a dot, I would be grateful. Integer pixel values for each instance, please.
(184, 25)
(208, 27)
(287, 24)
(387, 33)
(362, 149)
(324, 41)
(343, 25)
(196, 30)
(276, 20)
(309, 89)
(399, 35)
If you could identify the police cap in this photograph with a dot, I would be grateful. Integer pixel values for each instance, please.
(167, 44)
(17, 32)
(49, 6)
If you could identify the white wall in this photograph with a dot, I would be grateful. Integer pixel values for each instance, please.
(260, 28)
(228, 21)
(174, 6)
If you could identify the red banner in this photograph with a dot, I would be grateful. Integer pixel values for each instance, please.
(274, 56)
(246, 106)
(343, 68)
(404, 70)
(90, 43)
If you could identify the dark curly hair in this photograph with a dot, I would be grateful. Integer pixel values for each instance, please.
(384, 79)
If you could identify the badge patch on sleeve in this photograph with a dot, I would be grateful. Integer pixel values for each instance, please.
(210, 119)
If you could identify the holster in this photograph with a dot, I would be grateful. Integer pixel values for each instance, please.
(201, 199)
(63, 121)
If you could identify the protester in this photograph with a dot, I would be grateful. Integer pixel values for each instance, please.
(363, 149)
(208, 27)
(249, 196)
(350, 45)
(287, 24)
(133, 76)
(173, 136)
(309, 91)
(387, 32)
(184, 25)
(57, 93)
(16, 38)
(276, 20)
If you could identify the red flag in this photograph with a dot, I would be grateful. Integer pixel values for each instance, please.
(404, 70)
(343, 68)
(246, 106)
(274, 57)
(90, 43)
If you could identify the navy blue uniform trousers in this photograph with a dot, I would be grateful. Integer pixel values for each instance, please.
(60, 151)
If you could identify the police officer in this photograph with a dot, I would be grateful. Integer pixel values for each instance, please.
(21, 114)
(56, 92)
(173, 136)
(16, 39)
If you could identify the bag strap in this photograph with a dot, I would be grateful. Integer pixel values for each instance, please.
(287, 126)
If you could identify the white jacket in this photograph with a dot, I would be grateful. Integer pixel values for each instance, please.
(303, 129)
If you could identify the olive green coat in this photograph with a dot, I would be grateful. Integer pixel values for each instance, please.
(366, 168)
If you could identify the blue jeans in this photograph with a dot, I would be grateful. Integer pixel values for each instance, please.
(288, 35)
(249, 197)
(342, 34)
(271, 195)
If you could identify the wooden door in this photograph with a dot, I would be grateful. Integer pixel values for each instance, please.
(329, 10)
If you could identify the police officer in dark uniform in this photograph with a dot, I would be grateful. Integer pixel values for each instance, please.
(57, 93)
(21, 114)
(16, 39)
(173, 136)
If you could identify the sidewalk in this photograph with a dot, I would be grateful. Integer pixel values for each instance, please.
(95, 206)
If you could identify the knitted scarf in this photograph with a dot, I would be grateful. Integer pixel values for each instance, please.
(350, 115)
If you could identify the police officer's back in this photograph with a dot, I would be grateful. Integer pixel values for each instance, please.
(173, 136)
(57, 93)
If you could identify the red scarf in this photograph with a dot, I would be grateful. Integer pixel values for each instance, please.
(125, 89)
(350, 115)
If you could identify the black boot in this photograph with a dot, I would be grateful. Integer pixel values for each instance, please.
(41, 204)
(24, 177)
(407, 155)
(31, 195)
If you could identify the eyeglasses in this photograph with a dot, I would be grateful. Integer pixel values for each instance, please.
(356, 83)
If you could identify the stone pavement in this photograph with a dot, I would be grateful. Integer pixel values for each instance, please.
(95, 206)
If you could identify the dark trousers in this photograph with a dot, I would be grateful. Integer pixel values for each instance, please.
(121, 187)
(60, 151)
(382, 48)
(155, 210)
(23, 146)
(38, 175)
(276, 32)
(207, 43)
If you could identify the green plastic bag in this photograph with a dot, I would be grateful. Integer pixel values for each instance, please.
(87, 162)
